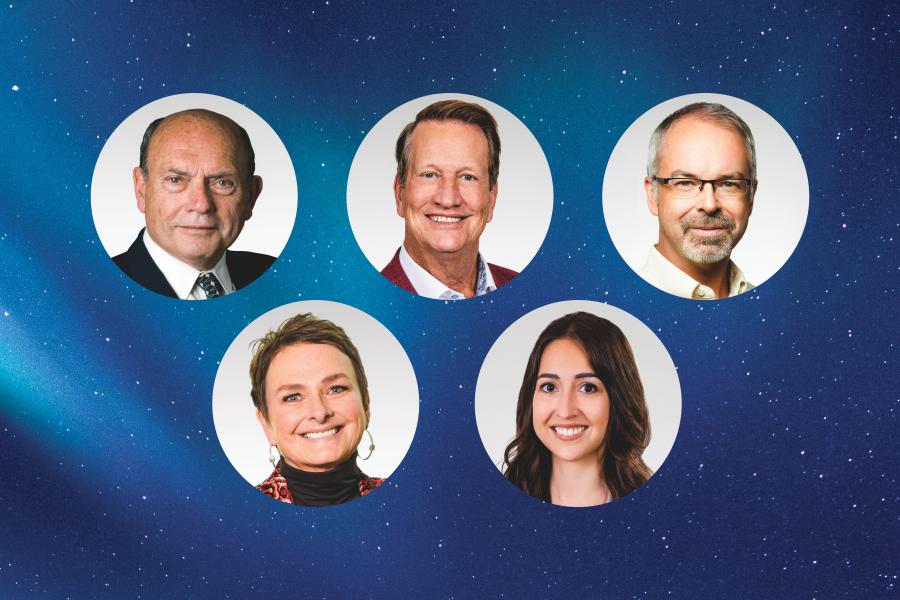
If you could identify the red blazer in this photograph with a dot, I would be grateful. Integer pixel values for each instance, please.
(395, 273)
(276, 486)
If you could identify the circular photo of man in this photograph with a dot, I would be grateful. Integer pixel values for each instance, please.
(174, 190)
(449, 196)
(705, 196)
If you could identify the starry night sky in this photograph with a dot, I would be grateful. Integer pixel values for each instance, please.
(113, 483)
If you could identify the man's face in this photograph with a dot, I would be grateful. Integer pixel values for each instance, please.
(704, 229)
(197, 193)
(445, 199)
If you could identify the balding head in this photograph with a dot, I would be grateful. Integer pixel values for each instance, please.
(241, 141)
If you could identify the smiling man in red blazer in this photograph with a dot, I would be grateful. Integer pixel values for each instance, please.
(448, 161)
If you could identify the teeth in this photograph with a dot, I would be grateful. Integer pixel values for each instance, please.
(569, 431)
(315, 435)
(439, 219)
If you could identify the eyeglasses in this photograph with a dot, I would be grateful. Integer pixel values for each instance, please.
(687, 187)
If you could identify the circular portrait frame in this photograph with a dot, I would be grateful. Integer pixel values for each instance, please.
(394, 392)
(503, 369)
(780, 207)
(524, 204)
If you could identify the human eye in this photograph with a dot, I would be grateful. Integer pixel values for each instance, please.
(223, 185)
(292, 398)
(588, 387)
(468, 177)
(684, 184)
(732, 186)
(547, 387)
(337, 389)
(428, 175)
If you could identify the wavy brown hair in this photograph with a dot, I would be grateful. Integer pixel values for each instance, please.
(528, 463)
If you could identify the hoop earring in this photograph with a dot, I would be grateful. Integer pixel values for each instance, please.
(371, 446)
(272, 458)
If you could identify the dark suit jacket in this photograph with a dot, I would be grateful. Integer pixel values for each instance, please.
(243, 267)
(394, 271)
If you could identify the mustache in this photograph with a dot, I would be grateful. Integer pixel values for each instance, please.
(719, 221)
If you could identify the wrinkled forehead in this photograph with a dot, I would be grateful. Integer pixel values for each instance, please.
(692, 142)
(450, 139)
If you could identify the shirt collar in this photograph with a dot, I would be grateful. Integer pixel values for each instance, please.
(183, 277)
(658, 271)
(429, 286)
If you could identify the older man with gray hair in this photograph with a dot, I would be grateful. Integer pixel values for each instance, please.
(700, 184)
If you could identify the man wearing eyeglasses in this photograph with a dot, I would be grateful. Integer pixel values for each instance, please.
(701, 180)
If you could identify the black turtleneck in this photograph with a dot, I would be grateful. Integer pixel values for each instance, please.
(337, 486)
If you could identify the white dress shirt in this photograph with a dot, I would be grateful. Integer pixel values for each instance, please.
(183, 277)
(429, 286)
(658, 271)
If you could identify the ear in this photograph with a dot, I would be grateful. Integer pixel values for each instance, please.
(752, 196)
(651, 196)
(137, 176)
(492, 202)
(256, 186)
(398, 201)
(267, 428)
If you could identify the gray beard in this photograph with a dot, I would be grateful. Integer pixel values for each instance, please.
(707, 250)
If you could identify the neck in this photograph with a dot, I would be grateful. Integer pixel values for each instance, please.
(457, 270)
(578, 483)
(713, 275)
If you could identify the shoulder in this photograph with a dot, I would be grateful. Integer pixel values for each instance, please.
(244, 260)
(276, 487)
(137, 263)
(394, 273)
(244, 267)
(367, 484)
(501, 275)
(137, 252)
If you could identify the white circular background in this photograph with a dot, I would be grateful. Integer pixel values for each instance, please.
(779, 210)
(524, 197)
(114, 206)
(496, 393)
(393, 392)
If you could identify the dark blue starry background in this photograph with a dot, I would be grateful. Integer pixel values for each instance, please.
(780, 484)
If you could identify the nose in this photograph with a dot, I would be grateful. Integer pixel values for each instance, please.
(319, 410)
(448, 192)
(707, 201)
(200, 196)
(567, 407)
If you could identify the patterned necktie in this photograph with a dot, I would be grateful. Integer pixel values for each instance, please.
(210, 285)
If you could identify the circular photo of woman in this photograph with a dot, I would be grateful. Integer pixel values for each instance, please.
(597, 410)
(315, 403)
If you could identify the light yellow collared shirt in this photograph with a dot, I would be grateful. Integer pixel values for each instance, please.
(659, 272)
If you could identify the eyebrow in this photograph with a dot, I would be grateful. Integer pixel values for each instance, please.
(679, 174)
(577, 376)
(299, 386)
(220, 175)
(435, 167)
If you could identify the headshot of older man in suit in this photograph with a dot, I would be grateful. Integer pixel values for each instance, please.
(196, 186)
